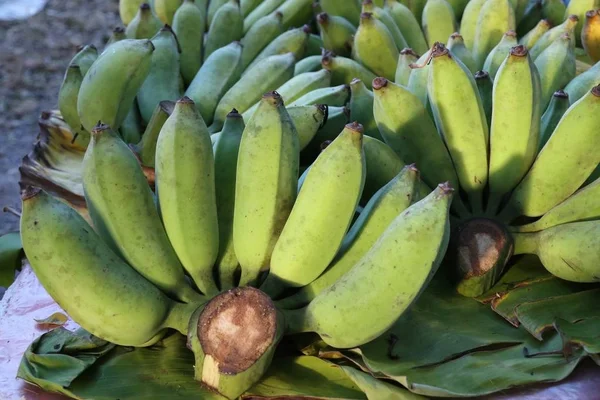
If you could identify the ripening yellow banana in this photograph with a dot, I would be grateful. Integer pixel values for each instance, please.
(590, 34)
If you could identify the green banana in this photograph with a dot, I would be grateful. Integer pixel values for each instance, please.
(458, 6)
(343, 70)
(556, 66)
(552, 35)
(85, 58)
(374, 47)
(297, 87)
(382, 15)
(583, 83)
(292, 41)
(565, 162)
(485, 85)
(89, 281)
(417, 80)
(456, 45)
(383, 164)
(556, 109)
(495, 18)
(336, 96)
(308, 64)
(124, 213)
(108, 89)
(144, 25)
(408, 24)
(439, 21)
(468, 23)
(265, 8)
(530, 38)
(128, 10)
(406, 58)
(515, 127)
(165, 10)
(118, 33)
(226, 27)
(185, 170)
(349, 10)
(336, 33)
(387, 203)
(314, 46)
(215, 77)
(342, 314)
(568, 251)
(337, 118)
(189, 26)
(581, 206)
(268, 74)
(321, 214)
(534, 12)
(361, 108)
(265, 186)
(499, 53)
(295, 12)
(213, 7)
(162, 83)
(554, 11)
(131, 128)
(263, 32)
(415, 6)
(146, 148)
(451, 90)
(579, 8)
(308, 120)
(248, 5)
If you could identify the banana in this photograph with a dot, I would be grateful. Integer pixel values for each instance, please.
(263, 32)
(85, 58)
(297, 87)
(361, 108)
(468, 23)
(452, 90)
(383, 164)
(583, 83)
(407, 128)
(533, 14)
(89, 281)
(308, 120)
(459, 7)
(265, 8)
(349, 10)
(307, 64)
(552, 35)
(226, 27)
(374, 47)
(387, 203)
(185, 170)
(581, 206)
(215, 77)
(568, 251)
(118, 33)
(495, 18)
(122, 208)
(165, 10)
(267, 75)
(213, 7)
(128, 10)
(162, 83)
(530, 38)
(519, 7)
(499, 53)
(336, 33)
(565, 162)
(416, 7)
(337, 118)
(189, 26)
(439, 21)
(342, 314)
(336, 96)
(383, 16)
(417, 80)
(295, 12)
(556, 109)
(579, 8)
(590, 35)
(515, 127)
(456, 45)
(408, 24)
(108, 89)
(265, 186)
(553, 11)
(248, 5)
(321, 214)
(406, 58)
(292, 41)
(343, 70)
(131, 128)
(314, 46)
(556, 66)
(144, 25)
(485, 85)
(146, 148)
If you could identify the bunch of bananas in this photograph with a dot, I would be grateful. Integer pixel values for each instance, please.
(228, 191)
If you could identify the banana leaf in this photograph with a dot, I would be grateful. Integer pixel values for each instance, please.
(11, 253)
(583, 333)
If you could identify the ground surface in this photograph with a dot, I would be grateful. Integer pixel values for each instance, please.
(34, 54)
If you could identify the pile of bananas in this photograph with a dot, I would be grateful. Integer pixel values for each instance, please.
(229, 191)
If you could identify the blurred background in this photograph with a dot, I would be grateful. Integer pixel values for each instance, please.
(37, 40)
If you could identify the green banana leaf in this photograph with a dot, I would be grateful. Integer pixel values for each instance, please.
(583, 333)
(11, 253)
(377, 389)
